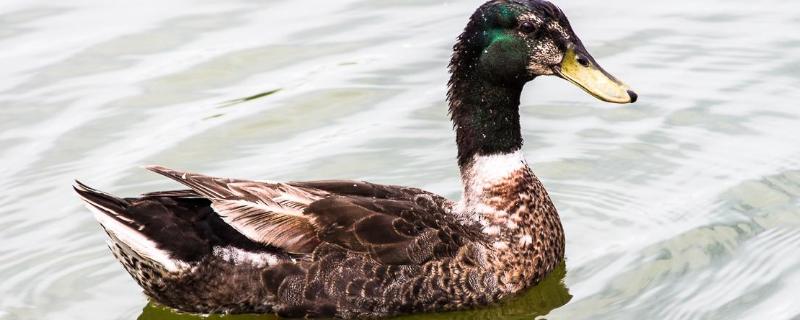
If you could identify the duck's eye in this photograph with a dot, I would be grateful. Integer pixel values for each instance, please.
(527, 27)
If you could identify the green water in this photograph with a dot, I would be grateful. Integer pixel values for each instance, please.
(685, 205)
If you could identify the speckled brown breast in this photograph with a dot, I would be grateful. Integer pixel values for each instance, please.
(530, 241)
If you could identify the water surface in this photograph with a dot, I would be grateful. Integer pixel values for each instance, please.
(685, 205)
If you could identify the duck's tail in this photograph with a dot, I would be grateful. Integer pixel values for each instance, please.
(144, 258)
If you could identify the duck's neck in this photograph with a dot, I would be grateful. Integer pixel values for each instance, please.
(486, 119)
(485, 116)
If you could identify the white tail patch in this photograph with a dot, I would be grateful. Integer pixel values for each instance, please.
(136, 240)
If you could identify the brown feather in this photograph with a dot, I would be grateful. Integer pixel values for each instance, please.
(392, 231)
(291, 233)
(379, 229)
(269, 213)
(173, 194)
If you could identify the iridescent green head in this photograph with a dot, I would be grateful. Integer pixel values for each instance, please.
(510, 42)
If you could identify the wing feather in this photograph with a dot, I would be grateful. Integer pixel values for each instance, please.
(391, 224)
(263, 224)
(269, 213)
(390, 231)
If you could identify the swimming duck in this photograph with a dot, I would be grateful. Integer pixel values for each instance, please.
(355, 249)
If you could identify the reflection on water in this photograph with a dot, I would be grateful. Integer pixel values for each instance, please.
(685, 205)
(154, 311)
(540, 300)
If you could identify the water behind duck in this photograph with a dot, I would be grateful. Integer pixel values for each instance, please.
(685, 205)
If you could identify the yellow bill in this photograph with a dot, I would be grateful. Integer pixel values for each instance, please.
(584, 72)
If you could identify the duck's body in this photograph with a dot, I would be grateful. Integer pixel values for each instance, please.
(365, 250)
(356, 249)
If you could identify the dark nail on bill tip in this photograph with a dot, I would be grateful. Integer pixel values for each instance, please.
(633, 96)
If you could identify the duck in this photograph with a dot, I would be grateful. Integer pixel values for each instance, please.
(355, 249)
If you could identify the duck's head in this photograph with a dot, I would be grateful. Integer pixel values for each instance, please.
(510, 42)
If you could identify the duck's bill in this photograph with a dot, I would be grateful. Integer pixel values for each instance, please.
(584, 72)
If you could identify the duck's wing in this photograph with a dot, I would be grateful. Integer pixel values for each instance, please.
(269, 213)
(394, 225)
(391, 231)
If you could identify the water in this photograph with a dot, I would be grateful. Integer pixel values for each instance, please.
(685, 205)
